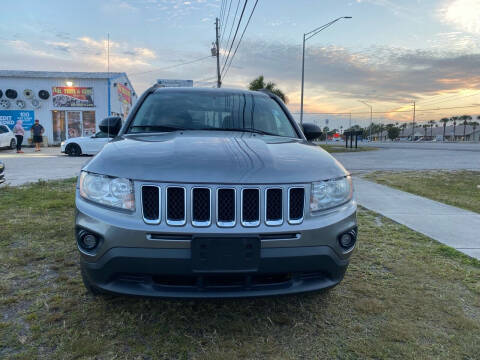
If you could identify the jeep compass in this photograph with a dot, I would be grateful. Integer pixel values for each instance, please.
(213, 193)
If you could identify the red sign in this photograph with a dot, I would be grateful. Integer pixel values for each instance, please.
(124, 94)
(63, 96)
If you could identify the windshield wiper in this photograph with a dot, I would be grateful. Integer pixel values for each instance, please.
(256, 131)
(157, 127)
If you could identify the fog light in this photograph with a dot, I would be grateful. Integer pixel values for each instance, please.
(88, 241)
(347, 240)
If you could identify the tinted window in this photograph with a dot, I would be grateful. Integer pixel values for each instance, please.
(165, 111)
(3, 129)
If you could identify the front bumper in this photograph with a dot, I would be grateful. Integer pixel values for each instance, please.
(133, 259)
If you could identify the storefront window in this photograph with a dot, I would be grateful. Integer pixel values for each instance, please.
(88, 123)
(74, 124)
(58, 122)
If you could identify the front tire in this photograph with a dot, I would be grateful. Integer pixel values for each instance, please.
(13, 144)
(73, 150)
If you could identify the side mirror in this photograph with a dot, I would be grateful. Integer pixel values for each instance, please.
(311, 131)
(111, 125)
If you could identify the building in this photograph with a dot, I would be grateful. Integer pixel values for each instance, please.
(67, 104)
(435, 133)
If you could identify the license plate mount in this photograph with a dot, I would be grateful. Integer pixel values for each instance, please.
(225, 254)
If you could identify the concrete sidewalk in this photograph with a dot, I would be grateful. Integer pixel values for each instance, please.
(447, 224)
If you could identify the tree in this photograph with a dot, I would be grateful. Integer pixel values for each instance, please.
(474, 125)
(431, 122)
(465, 119)
(444, 121)
(454, 120)
(393, 132)
(259, 83)
(425, 127)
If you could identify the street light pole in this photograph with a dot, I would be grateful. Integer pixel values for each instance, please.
(371, 117)
(303, 81)
(307, 36)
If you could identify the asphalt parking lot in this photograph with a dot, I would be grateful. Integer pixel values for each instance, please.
(32, 166)
(50, 164)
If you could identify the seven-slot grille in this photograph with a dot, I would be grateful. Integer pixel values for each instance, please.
(202, 203)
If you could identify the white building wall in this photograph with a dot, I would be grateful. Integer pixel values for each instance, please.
(44, 113)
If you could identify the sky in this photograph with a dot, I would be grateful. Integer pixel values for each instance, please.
(390, 54)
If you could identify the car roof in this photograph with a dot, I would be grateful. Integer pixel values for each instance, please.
(212, 91)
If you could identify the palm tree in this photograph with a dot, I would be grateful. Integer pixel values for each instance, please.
(425, 127)
(259, 83)
(431, 122)
(465, 119)
(444, 121)
(474, 125)
(454, 119)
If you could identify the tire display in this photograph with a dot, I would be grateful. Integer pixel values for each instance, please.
(27, 93)
(11, 94)
(4, 104)
(43, 94)
(20, 104)
(1, 94)
(35, 103)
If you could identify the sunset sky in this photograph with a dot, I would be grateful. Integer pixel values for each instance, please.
(390, 54)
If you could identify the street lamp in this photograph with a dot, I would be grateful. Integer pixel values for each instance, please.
(371, 120)
(307, 36)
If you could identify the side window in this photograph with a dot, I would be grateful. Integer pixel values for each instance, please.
(3, 129)
(101, 134)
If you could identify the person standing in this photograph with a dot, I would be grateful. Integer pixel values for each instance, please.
(19, 132)
(37, 130)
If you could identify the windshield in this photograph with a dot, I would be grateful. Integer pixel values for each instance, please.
(170, 111)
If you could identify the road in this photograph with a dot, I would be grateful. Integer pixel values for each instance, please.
(51, 164)
(416, 156)
(32, 166)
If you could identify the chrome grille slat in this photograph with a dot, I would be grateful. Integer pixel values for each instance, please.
(226, 207)
(296, 205)
(201, 206)
(175, 197)
(274, 206)
(151, 204)
(250, 205)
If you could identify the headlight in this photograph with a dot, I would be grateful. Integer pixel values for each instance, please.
(331, 193)
(106, 190)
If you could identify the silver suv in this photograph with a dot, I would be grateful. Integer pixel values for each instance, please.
(213, 193)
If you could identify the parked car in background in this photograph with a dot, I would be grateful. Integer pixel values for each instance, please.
(213, 193)
(2, 172)
(7, 139)
(86, 145)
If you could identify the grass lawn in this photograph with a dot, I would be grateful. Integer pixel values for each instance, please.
(404, 296)
(457, 188)
(341, 148)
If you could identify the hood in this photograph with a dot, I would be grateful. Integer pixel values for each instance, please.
(215, 157)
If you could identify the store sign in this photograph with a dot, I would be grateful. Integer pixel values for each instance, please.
(124, 94)
(10, 118)
(174, 83)
(63, 96)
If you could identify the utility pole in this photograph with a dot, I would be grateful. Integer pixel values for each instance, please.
(217, 28)
(413, 123)
(350, 122)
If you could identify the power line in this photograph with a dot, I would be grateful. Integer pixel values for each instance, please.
(235, 35)
(226, 22)
(391, 111)
(170, 67)
(453, 97)
(233, 22)
(241, 37)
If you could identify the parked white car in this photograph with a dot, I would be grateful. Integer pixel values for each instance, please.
(7, 139)
(85, 145)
